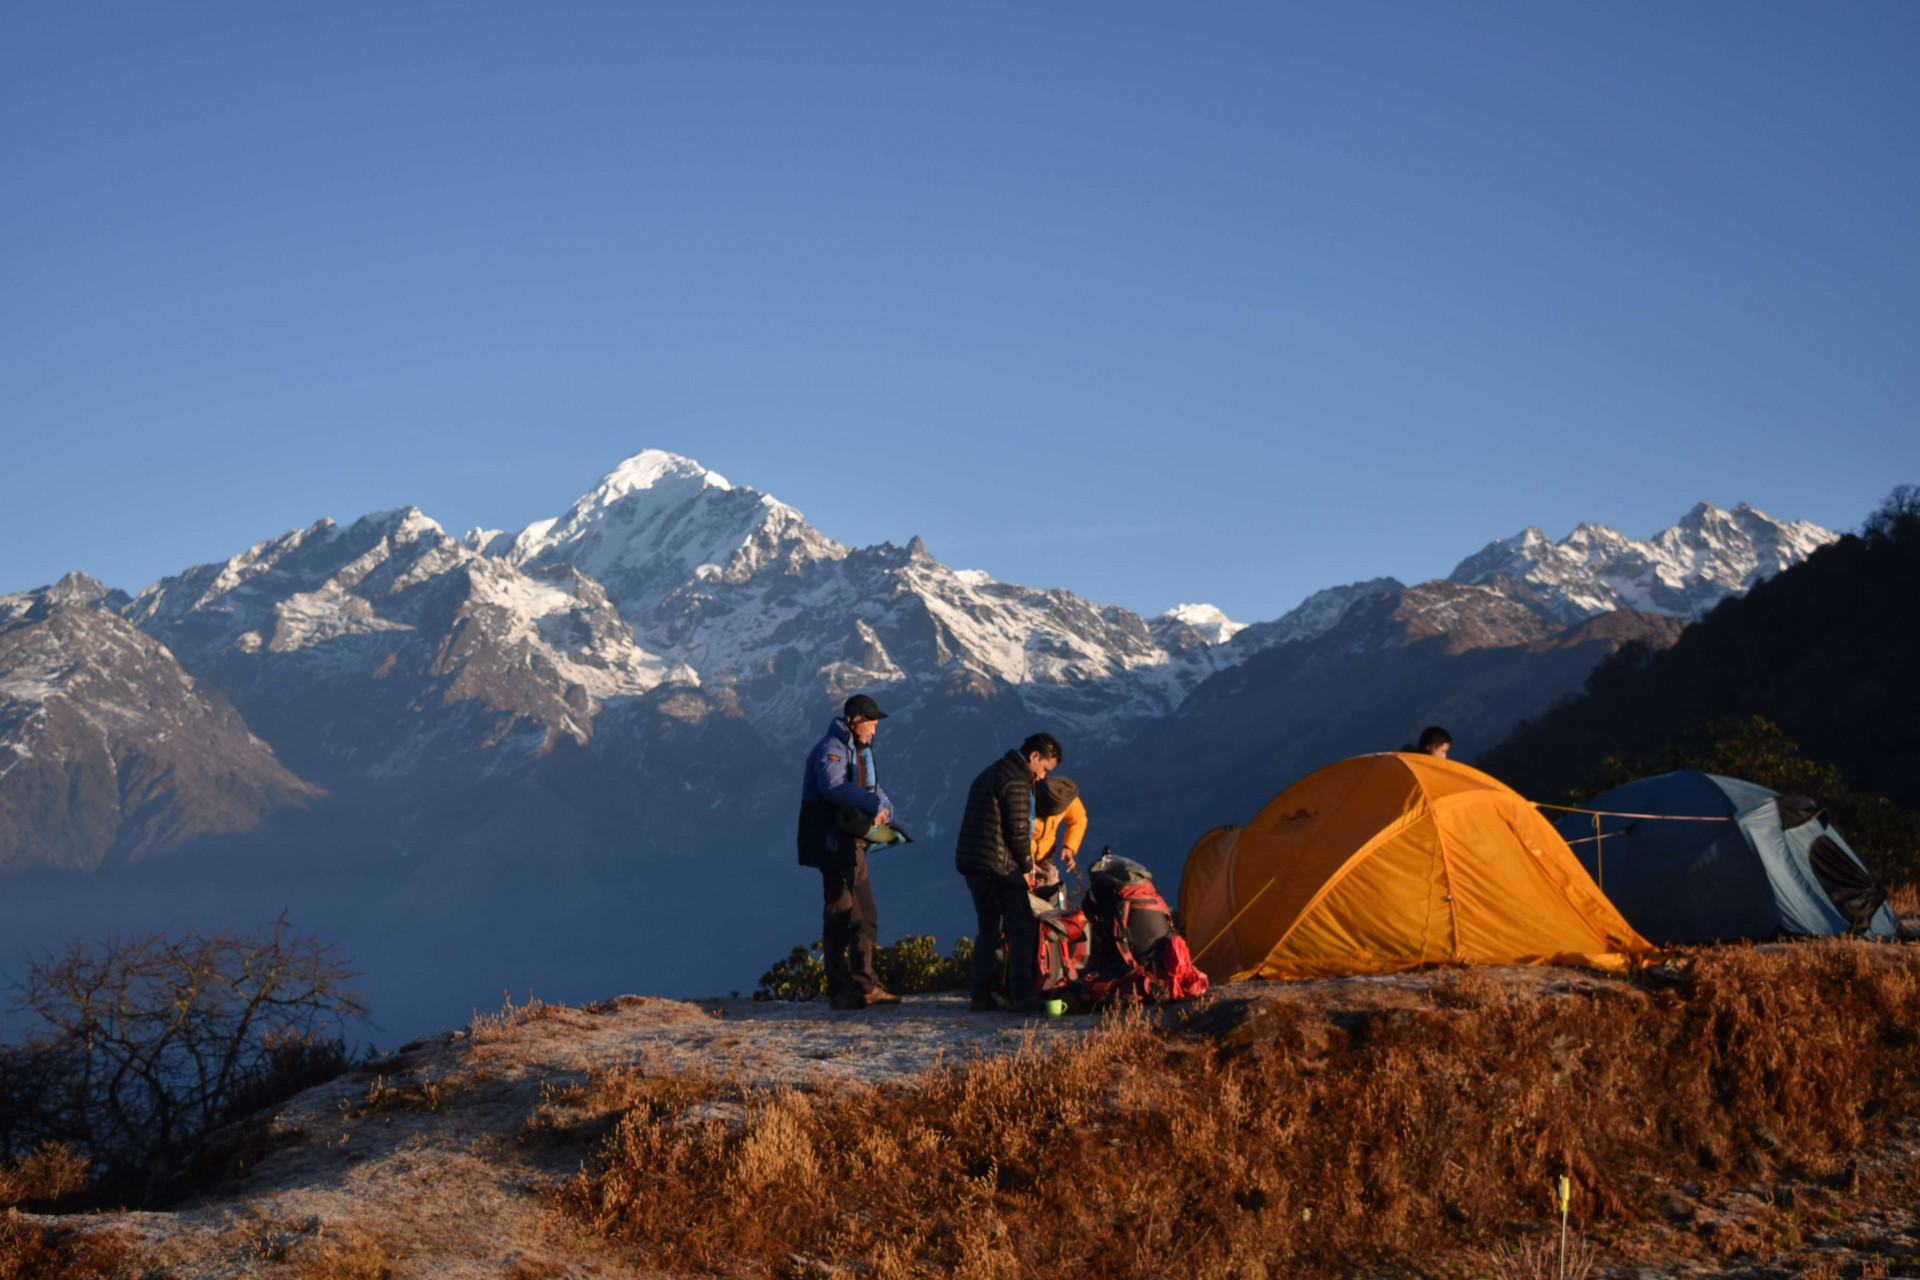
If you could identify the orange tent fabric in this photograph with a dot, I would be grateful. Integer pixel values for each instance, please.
(1391, 862)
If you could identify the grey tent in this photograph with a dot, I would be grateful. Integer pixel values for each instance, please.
(1763, 864)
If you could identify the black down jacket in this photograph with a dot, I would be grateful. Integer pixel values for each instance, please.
(996, 832)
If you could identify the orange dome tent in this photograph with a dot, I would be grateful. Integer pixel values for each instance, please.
(1391, 862)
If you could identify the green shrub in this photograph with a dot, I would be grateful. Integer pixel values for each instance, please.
(911, 966)
(801, 976)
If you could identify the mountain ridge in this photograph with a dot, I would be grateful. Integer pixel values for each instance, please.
(511, 748)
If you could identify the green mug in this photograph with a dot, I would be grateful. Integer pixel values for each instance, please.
(1056, 1008)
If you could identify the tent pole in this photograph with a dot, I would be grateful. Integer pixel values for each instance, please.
(1599, 857)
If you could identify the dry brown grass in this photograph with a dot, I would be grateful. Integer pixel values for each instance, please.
(48, 1172)
(536, 1269)
(348, 1254)
(1383, 1140)
(420, 1093)
(576, 1111)
(29, 1251)
(486, 1027)
(306, 1248)
(1904, 899)
(1539, 1258)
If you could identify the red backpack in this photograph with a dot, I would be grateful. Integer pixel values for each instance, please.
(1060, 950)
(1135, 952)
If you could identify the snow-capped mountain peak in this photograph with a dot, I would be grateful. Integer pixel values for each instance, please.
(76, 588)
(1683, 571)
(652, 467)
(1209, 621)
(659, 521)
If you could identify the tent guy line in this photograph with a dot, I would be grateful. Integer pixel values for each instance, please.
(1599, 874)
(1608, 813)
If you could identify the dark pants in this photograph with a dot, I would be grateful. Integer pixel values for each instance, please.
(1000, 905)
(850, 926)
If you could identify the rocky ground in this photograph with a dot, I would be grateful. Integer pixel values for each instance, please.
(433, 1162)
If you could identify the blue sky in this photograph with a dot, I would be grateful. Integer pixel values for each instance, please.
(1158, 303)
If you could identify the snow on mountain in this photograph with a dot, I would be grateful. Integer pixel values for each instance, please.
(391, 612)
(1318, 614)
(75, 588)
(312, 588)
(667, 573)
(1682, 572)
(659, 521)
(109, 751)
(1214, 626)
(893, 617)
(488, 542)
(742, 589)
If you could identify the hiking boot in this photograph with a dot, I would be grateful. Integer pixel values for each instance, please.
(846, 1000)
(987, 1005)
(880, 995)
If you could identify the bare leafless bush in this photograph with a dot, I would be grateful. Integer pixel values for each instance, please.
(141, 1046)
(1136, 1152)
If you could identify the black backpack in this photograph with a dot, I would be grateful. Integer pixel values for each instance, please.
(1128, 922)
(1134, 951)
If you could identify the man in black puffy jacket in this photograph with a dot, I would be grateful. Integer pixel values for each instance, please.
(995, 853)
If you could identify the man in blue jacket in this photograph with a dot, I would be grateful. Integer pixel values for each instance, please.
(840, 775)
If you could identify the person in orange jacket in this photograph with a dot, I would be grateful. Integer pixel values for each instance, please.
(1059, 818)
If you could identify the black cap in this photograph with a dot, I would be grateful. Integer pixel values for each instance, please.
(861, 707)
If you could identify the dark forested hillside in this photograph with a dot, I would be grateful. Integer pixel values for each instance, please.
(1829, 650)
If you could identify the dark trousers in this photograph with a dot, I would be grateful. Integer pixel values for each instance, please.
(1000, 905)
(850, 926)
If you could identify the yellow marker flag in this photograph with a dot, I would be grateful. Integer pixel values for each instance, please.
(1564, 1185)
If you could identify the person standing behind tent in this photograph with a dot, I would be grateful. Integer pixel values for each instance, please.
(1435, 741)
(1061, 817)
(840, 774)
(994, 852)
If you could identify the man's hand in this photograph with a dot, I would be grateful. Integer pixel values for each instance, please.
(1066, 860)
(884, 816)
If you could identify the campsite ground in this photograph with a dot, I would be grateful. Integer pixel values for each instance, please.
(463, 1155)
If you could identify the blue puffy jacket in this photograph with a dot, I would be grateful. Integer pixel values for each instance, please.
(832, 781)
